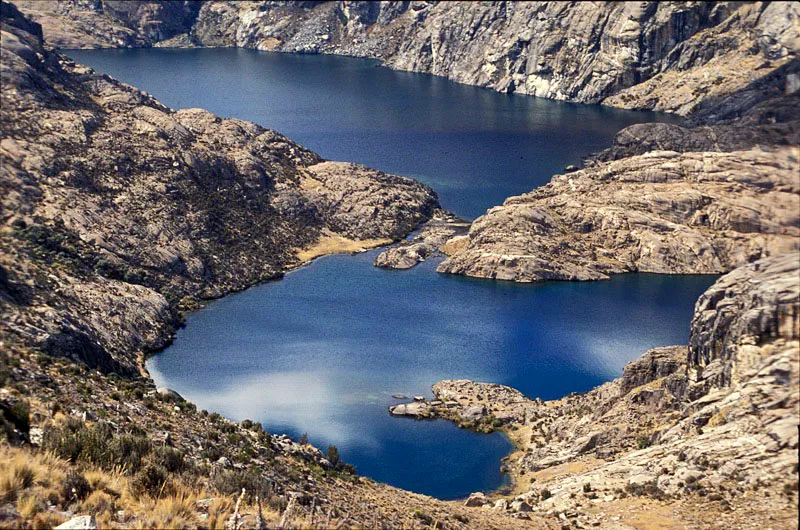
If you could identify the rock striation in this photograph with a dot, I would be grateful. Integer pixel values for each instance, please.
(663, 211)
(667, 56)
(704, 197)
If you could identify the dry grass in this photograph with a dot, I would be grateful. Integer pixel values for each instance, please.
(31, 481)
(331, 243)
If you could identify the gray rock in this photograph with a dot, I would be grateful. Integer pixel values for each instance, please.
(520, 506)
(169, 395)
(472, 413)
(81, 522)
(476, 499)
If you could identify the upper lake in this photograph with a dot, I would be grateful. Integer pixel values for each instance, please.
(323, 350)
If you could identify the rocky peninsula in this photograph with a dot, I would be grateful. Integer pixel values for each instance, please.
(709, 429)
(120, 214)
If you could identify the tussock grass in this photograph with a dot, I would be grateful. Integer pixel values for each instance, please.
(33, 482)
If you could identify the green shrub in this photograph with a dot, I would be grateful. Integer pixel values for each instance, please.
(98, 444)
(171, 459)
(333, 456)
(75, 487)
(231, 482)
(150, 481)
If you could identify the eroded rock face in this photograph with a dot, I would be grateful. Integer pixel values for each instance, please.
(663, 211)
(119, 212)
(668, 429)
(750, 307)
(656, 55)
(111, 23)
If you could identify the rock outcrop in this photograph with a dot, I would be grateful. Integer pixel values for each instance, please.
(663, 211)
(442, 227)
(120, 212)
(111, 23)
(667, 56)
(704, 197)
(671, 429)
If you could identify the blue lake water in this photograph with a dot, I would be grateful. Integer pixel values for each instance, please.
(323, 350)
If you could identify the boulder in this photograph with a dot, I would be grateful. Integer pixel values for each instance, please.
(476, 499)
(473, 412)
(167, 394)
(81, 522)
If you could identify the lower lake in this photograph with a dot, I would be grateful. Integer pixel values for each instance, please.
(323, 350)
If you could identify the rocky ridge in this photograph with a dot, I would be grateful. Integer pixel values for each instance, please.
(118, 215)
(119, 212)
(669, 56)
(704, 197)
(711, 430)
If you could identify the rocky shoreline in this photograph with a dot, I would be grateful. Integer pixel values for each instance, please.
(120, 214)
(715, 420)
(429, 241)
(674, 57)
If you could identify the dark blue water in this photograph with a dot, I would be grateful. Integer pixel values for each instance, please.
(474, 146)
(323, 350)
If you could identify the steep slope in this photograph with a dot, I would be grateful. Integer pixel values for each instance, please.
(710, 431)
(703, 198)
(117, 215)
(118, 211)
(654, 55)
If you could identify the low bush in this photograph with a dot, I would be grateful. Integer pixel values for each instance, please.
(98, 444)
(75, 487)
(150, 481)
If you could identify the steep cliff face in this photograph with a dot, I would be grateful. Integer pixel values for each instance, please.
(111, 23)
(653, 55)
(575, 51)
(741, 314)
(700, 429)
(117, 210)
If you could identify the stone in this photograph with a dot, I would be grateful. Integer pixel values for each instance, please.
(520, 506)
(416, 408)
(81, 522)
(474, 412)
(168, 394)
(476, 499)
(36, 435)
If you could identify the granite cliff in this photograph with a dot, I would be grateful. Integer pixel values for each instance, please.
(711, 430)
(669, 56)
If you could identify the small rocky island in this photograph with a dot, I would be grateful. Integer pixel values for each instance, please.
(121, 215)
